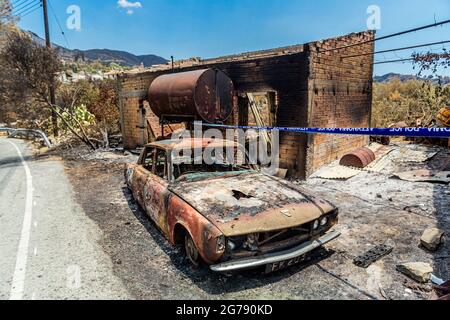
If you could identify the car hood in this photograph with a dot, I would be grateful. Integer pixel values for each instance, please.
(251, 203)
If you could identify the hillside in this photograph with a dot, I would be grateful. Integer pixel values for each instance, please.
(406, 77)
(122, 58)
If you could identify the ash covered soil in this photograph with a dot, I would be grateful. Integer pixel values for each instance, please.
(372, 212)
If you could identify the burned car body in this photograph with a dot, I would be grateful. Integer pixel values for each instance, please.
(231, 217)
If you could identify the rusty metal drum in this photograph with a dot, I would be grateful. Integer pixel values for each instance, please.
(205, 95)
(360, 158)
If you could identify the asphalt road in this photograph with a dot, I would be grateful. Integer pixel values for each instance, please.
(48, 247)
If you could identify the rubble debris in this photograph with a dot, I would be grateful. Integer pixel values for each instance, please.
(374, 254)
(413, 286)
(380, 163)
(420, 208)
(136, 151)
(446, 165)
(384, 140)
(383, 293)
(441, 287)
(436, 280)
(360, 158)
(419, 271)
(381, 157)
(425, 175)
(444, 116)
(432, 238)
(281, 173)
(336, 172)
(409, 155)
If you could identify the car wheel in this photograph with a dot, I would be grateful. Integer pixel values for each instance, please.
(191, 250)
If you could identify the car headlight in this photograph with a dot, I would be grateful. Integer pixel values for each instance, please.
(323, 221)
(220, 245)
(316, 224)
(231, 245)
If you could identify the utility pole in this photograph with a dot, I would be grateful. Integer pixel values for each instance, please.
(52, 85)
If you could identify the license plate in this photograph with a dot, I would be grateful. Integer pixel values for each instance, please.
(272, 267)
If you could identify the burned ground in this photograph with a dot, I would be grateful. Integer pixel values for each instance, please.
(153, 269)
(374, 209)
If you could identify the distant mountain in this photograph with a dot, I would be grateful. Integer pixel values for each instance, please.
(406, 77)
(122, 58)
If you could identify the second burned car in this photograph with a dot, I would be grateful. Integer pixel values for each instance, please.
(229, 216)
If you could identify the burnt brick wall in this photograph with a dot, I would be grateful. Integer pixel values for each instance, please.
(284, 74)
(340, 95)
(313, 89)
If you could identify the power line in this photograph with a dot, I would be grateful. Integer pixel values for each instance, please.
(18, 3)
(30, 12)
(23, 7)
(26, 8)
(392, 61)
(389, 36)
(399, 60)
(59, 25)
(397, 49)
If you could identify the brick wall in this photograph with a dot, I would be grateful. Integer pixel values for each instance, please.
(340, 95)
(285, 74)
(312, 89)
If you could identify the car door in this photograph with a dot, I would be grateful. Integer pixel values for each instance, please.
(156, 190)
(142, 173)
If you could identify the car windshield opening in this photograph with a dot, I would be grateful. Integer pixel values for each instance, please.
(209, 160)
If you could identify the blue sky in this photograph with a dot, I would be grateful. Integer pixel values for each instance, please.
(208, 28)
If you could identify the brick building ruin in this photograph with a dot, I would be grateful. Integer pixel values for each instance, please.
(295, 86)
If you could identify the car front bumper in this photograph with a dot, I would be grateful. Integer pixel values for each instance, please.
(258, 261)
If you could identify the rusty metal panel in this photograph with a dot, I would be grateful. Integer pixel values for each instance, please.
(251, 203)
(202, 94)
(360, 158)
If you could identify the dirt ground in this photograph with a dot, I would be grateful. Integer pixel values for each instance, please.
(374, 209)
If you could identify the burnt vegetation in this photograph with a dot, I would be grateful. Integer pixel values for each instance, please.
(86, 110)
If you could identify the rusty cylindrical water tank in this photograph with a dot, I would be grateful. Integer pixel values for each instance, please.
(205, 95)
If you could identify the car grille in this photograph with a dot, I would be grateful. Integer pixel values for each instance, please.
(267, 242)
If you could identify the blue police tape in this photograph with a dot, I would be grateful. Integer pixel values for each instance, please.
(393, 132)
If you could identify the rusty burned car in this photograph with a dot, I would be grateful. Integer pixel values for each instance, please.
(231, 217)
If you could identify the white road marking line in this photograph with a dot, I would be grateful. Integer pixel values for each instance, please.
(35, 251)
(18, 282)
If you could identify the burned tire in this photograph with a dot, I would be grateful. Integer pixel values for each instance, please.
(191, 251)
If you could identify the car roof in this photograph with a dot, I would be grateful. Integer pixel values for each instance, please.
(192, 143)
